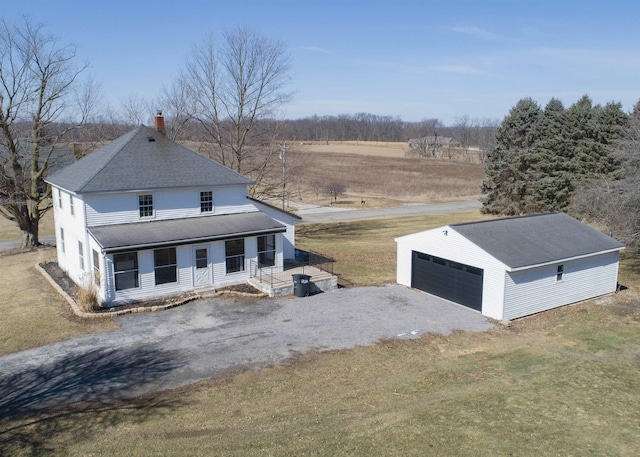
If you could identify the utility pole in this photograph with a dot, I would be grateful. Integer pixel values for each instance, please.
(283, 157)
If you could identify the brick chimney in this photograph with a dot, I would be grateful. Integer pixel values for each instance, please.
(158, 122)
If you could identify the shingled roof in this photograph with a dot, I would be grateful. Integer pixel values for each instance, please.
(536, 239)
(143, 159)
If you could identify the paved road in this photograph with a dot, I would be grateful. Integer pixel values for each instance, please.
(312, 214)
(162, 350)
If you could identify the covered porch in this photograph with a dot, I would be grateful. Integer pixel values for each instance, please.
(277, 283)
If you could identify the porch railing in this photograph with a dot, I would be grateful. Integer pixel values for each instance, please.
(282, 276)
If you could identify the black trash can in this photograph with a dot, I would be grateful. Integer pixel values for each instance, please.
(301, 285)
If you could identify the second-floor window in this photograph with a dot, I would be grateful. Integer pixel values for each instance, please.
(206, 201)
(145, 205)
(71, 204)
(59, 199)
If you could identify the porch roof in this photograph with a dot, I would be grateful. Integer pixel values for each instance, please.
(172, 232)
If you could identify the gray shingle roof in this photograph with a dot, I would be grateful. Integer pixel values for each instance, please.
(536, 239)
(146, 235)
(143, 159)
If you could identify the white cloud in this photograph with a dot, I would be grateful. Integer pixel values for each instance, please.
(314, 49)
(459, 69)
(475, 31)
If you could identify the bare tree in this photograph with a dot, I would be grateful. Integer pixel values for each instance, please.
(136, 109)
(36, 79)
(235, 90)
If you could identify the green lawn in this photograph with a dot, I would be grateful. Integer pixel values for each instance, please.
(565, 382)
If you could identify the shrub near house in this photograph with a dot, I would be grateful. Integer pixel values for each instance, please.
(146, 217)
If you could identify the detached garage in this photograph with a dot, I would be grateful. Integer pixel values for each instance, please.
(512, 267)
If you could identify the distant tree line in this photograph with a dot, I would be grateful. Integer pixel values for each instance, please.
(372, 127)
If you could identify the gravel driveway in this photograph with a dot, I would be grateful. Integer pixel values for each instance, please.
(167, 349)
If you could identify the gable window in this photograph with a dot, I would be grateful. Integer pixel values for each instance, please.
(125, 270)
(96, 267)
(71, 204)
(266, 251)
(165, 265)
(145, 205)
(62, 240)
(81, 255)
(234, 255)
(560, 273)
(206, 202)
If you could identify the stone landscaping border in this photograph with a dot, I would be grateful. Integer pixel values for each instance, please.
(140, 309)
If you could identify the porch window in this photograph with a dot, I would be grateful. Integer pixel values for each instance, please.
(266, 251)
(125, 270)
(81, 255)
(234, 253)
(145, 205)
(165, 265)
(96, 267)
(206, 202)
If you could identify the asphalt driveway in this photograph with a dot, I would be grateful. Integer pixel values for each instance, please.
(167, 349)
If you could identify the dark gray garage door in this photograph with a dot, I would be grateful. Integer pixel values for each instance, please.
(447, 279)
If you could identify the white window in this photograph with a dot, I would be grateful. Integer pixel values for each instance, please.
(145, 205)
(62, 248)
(71, 205)
(96, 267)
(59, 199)
(559, 273)
(125, 270)
(234, 255)
(206, 201)
(165, 265)
(81, 255)
(266, 251)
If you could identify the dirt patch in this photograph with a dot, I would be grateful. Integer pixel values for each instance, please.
(241, 288)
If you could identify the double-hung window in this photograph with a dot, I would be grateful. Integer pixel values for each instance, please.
(266, 251)
(59, 199)
(234, 255)
(96, 267)
(559, 273)
(145, 205)
(125, 270)
(62, 247)
(71, 205)
(206, 201)
(165, 265)
(81, 255)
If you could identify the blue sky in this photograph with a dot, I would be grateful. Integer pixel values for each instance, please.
(413, 59)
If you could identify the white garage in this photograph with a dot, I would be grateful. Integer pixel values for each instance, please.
(511, 267)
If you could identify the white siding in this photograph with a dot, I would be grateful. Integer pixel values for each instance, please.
(122, 208)
(73, 226)
(289, 238)
(454, 246)
(535, 290)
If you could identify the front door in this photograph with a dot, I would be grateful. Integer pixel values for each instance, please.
(201, 267)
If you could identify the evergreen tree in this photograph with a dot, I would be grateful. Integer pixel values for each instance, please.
(505, 183)
(541, 156)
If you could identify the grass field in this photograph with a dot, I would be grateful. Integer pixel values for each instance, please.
(564, 382)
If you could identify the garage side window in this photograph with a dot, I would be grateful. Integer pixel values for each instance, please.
(165, 265)
(560, 273)
(125, 270)
(234, 253)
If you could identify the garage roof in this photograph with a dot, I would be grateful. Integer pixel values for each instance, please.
(536, 239)
(172, 232)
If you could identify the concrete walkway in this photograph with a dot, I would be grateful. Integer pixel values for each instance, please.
(151, 352)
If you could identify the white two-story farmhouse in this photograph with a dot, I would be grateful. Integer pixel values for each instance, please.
(145, 217)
